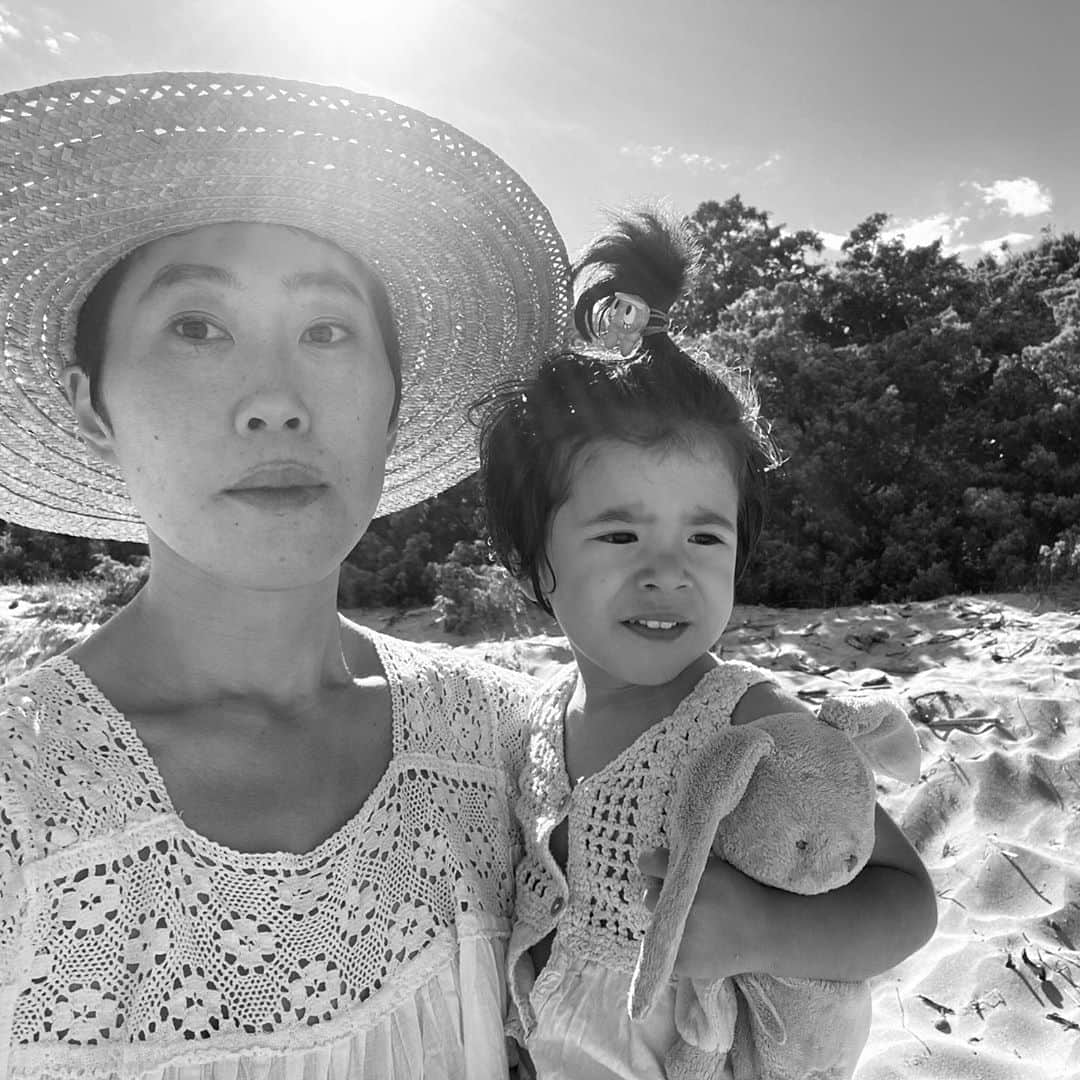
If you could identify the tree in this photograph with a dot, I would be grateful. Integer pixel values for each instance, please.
(929, 413)
(741, 251)
(881, 287)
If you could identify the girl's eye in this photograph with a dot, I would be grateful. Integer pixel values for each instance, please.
(618, 538)
(705, 539)
(194, 328)
(324, 333)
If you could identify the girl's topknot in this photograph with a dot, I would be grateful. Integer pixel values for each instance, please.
(647, 252)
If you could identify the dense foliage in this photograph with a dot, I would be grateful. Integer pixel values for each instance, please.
(930, 414)
(929, 409)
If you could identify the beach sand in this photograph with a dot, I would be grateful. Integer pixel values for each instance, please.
(993, 684)
(994, 687)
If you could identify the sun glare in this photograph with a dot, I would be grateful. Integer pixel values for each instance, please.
(369, 30)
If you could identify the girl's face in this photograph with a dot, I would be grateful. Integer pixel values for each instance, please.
(643, 558)
(248, 399)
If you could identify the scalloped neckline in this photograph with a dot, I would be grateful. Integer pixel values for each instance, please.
(139, 752)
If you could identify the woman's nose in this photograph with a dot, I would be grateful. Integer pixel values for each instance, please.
(272, 411)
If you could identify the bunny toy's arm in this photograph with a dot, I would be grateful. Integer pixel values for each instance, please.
(736, 925)
(887, 912)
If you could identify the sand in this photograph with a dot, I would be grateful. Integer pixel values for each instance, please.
(993, 684)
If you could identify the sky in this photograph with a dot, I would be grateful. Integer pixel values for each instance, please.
(959, 118)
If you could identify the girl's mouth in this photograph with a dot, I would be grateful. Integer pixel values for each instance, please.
(657, 629)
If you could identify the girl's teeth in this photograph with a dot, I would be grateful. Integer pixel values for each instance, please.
(655, 624)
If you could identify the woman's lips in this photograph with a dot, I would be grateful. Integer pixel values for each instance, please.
(278, 486)
(279, 498)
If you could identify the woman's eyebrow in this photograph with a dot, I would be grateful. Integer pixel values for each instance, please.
(324, 279)
(183, 273)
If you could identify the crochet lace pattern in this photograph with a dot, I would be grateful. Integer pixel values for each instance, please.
(613, 816)
(127, 937)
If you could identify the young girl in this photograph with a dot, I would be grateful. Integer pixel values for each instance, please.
(626, 494)
(239, 835)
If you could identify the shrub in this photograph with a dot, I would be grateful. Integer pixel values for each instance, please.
(474, 595)
(122, 581)
(356, 588)
(95, 598)
(1060, 561)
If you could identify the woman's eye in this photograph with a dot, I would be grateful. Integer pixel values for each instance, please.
(193, 328)
(618, 537)
(325, 333)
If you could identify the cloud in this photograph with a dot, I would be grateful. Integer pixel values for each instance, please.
(664, 156)
(55, 43)
(1022, 197)
(8, 30)
(833, 241)
(975, 222)
(18, 27)
(769, 162)
(993, 247)
(919, 232)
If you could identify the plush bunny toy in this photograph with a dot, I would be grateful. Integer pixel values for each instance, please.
(800, 818)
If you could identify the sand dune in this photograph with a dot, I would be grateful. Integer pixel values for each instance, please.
(994, 685)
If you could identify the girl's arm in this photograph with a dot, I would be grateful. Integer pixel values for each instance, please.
(861, 929)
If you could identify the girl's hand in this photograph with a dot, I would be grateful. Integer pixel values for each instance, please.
(725, 930)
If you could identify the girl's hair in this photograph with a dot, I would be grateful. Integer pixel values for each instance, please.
(532, 432)
(92, 327)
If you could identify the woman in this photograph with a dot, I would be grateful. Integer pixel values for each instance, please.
(240, 835)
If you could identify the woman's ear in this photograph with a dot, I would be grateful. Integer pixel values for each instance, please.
(93, 427)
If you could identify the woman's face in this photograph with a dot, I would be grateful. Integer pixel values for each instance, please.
(248, 398)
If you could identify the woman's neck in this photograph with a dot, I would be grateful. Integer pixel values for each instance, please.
(188, 638)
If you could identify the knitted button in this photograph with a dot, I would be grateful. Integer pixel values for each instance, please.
(557, 905)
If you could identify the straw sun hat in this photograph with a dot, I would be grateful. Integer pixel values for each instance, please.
(91, 169)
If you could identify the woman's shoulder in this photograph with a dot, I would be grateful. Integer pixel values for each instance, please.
(64, 768)
(444, 665)
(449, 700)
(39, 704)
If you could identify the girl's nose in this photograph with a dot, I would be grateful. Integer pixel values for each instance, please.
(272, 411)
(665, 572)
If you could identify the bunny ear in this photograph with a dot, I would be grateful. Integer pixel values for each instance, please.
(714, 780)
(880, 729)
(760, 1006)
(708, 788)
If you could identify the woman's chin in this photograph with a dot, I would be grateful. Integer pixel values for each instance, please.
(269, 564)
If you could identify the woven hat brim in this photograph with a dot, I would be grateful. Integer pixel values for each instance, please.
(89, 170)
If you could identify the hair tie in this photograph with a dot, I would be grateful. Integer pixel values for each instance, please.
(622, 320)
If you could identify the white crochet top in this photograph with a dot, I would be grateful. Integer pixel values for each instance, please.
(574, 1017)
(131, 946)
